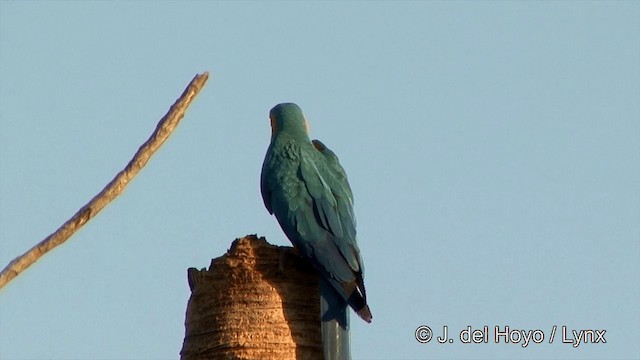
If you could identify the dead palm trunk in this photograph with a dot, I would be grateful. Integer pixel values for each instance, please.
(259, 301)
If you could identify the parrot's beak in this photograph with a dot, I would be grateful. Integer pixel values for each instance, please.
(273, 125)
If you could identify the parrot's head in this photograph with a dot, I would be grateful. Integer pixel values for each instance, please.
(288, 118)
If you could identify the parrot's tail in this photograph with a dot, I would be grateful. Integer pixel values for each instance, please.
(334, 316)
(359, 305)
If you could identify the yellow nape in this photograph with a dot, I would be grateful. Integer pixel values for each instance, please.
(307, 125)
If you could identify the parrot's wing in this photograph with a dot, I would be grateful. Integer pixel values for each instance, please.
(339, 184)
(325, 205)
(264, 183)
(334, 164)
(332, 209)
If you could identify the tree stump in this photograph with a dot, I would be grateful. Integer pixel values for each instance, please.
(259, 301)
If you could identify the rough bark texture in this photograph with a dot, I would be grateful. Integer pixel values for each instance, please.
(259, 301)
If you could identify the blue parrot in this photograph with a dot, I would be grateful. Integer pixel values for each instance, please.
(306, 188)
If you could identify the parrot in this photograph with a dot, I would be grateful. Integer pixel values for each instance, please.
(303, 184)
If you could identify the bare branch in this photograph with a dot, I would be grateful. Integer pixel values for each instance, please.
(164, 128)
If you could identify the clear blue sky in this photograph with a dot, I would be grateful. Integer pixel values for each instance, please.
(493, 149)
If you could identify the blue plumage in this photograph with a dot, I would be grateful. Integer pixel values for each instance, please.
(306, 188)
